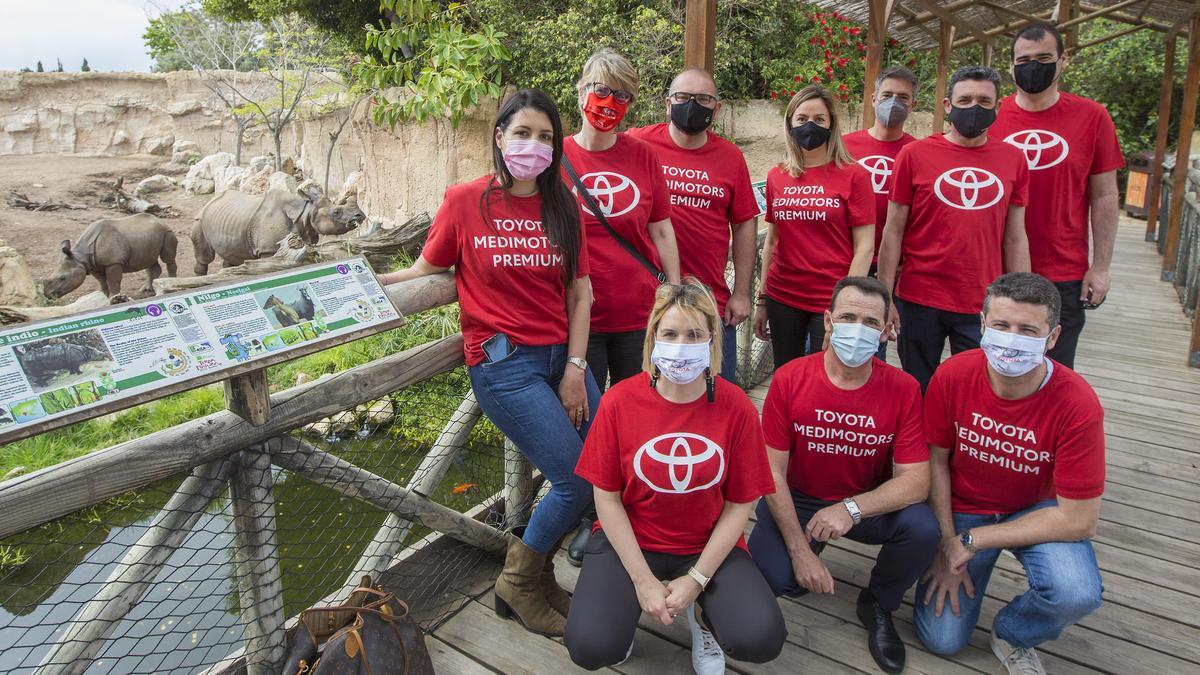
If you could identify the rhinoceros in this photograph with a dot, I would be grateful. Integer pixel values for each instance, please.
(42, 362)
(109, 248)
(238, 227)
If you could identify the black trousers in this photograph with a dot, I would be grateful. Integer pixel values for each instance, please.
(738, 605)
(923, 333)
(1072, 320)
(615, 356)
(794, 332)
(908, 540)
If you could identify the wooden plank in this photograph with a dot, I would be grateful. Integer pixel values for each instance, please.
(700, 36)
(53, 492)
(256, 557)
(449, 661)
(81, 639)
(249, 396)
(1183, 150)
(336, 473)
(504, 645)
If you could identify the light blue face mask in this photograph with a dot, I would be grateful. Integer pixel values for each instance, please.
(854, 343)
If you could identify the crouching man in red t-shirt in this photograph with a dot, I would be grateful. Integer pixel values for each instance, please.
(1017, 447)
(848, 453)
(676, 458)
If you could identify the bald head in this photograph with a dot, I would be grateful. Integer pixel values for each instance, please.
(694, 81)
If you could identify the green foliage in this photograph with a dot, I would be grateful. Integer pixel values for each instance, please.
(344, 18)
(85, 68)
(445, 63)
(191, 38)
(40, 68)
(59, 69)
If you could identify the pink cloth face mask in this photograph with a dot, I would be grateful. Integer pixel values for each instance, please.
(527, 159)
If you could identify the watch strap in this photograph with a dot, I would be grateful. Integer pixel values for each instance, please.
(698, 577)
(852, 508)
(577, 362)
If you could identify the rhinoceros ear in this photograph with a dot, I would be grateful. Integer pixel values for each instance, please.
(292, 208)
(66, 247)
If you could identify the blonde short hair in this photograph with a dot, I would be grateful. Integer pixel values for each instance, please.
(835, 150)
(696, 301)
(610, 68)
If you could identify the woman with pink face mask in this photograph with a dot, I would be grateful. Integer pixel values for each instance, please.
(624, 182)
(520, 257)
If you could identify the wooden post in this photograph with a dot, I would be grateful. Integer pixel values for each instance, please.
(1154, 193)
(1179, 175)
(83, 638)
(518, 486)
(945, 44)
(988, 54)
(333, 472)
(388, 541)
(880, 12)
(1071, 34)
(256, 553)
(700, 39)
(248, 396)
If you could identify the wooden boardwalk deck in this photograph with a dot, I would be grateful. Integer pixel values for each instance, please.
(1133, 352)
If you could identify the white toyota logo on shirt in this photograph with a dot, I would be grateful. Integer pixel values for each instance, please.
(679, 463)
(880, 168)
(969, 188)
(614, 193)
(1043, 149)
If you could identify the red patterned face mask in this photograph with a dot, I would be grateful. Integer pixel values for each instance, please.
(604, 113)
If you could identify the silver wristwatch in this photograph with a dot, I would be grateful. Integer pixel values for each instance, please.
(577, 362)
(852, 507)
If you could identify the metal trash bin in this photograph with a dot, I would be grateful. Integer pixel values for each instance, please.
(1137, 186)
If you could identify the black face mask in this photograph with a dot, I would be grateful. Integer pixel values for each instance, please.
(809, 135)
(973, 121)
(1034, 77)
(691, 117)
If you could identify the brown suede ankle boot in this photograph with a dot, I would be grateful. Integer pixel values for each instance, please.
(558, 597)
(519, 591)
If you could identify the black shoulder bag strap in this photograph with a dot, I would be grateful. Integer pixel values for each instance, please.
(595, 209)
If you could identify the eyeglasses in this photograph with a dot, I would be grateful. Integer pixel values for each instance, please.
(604, 91)
(706, 100)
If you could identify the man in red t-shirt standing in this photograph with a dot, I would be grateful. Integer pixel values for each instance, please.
(1073, 154)
(847, 449)
(1017, 450)
(956, 221)
(711, 199)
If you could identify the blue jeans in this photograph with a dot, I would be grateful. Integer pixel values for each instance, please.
(729, 354)
(1064, 587)
(519, 394)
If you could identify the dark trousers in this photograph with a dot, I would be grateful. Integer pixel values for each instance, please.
(738, 606)
(1072, 319)
(923, 333)
(908, 540)
(615, 356)
(794, 332)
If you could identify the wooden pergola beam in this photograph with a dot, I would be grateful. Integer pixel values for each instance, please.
(1183, 150)
(922, 18)
(1005, 28)
(879, 13)
(946, 14)
(1095, 12)
(1154, 193)
(700, 39)
(911, 23)
(945, 46)
(1111, 36)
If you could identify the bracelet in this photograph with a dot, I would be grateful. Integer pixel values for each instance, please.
(698, 577)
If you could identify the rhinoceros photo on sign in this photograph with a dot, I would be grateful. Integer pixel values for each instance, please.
(59, 362)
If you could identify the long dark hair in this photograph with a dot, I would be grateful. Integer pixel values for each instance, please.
(560, 211)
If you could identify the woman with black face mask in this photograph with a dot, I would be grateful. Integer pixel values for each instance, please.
(821, 218)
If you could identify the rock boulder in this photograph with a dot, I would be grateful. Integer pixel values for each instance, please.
(282, 181)
(155, 183)
(185, 152)
(201, 178)
(17, 286)
(256, 184)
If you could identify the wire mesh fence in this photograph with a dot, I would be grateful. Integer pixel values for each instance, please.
(197, 573)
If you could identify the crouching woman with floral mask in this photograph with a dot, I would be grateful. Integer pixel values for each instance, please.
(677, 460)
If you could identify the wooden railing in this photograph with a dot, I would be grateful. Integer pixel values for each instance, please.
(1181, 251)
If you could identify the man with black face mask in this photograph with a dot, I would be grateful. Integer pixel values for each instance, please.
(1073, 154)
(712, 200)
(957, 221)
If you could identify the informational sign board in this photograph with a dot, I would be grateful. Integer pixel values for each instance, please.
(760, 195)
(63, 367)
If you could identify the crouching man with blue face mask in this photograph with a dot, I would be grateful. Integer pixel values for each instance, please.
(848, 454)
(1017, 448)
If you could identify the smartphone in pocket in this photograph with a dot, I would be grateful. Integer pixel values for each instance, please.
(497, 347)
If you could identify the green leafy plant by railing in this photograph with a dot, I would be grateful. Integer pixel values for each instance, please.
(443, 65)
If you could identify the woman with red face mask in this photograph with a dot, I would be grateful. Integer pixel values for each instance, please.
(624, 183)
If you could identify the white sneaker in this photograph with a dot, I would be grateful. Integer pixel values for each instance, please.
(707, 656)
(1017, 660)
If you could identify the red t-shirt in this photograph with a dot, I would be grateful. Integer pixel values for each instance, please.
(813, 216)
(509, 276)
(710, 189)
(954, 240)
(627, 184)
(1009, 455)
(843, 443)
(878, 158)
(675, 464)
(1063, 145)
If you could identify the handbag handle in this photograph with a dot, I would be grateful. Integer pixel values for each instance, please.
(622, 241)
